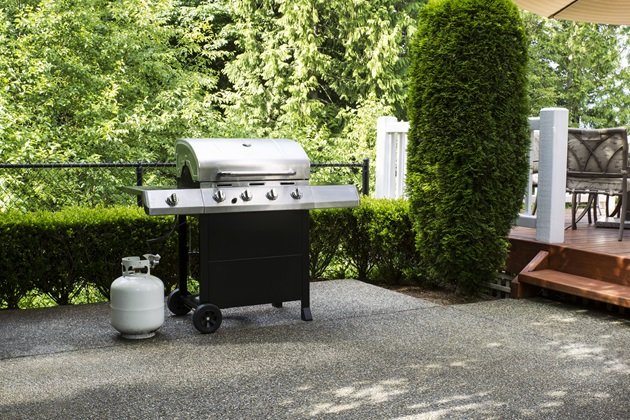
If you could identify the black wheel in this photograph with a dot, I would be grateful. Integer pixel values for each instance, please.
(207, 318)
(176, 304)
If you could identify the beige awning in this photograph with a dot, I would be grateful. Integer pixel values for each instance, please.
(616, 12)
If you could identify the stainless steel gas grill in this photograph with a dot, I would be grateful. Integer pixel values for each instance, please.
(251, 197)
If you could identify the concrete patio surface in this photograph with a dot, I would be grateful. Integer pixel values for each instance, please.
(368, 353)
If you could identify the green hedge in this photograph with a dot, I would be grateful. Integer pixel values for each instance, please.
(373, 242)
(61, 254)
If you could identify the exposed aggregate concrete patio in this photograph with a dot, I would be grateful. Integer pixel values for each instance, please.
(368, 353)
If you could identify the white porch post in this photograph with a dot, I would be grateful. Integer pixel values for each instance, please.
(391, 157)
(554, 125)
(384, 162)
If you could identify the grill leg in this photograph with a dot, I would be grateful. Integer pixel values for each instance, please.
(306, 286)
(182, 237)
(306, 313)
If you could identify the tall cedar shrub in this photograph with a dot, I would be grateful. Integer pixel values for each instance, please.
(468, 141)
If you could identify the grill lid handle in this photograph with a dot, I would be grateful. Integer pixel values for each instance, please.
(290, 172)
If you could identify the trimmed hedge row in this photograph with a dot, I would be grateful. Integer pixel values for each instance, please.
(59, 254)
(373, 242)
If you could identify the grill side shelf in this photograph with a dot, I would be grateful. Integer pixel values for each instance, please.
(335, 196)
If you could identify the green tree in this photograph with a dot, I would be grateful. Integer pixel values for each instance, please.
(581, 67)
(98, 80)
(468, 142)
(312, 69)
(101, 80)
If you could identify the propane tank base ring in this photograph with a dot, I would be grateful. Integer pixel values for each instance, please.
(139, 336)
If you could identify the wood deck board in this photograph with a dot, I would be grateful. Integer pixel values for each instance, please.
(579, 286)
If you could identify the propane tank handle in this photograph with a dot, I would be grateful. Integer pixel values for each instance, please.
(131, 265)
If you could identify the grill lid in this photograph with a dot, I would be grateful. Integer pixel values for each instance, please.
(228, 160)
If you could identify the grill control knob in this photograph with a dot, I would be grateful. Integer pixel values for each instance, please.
(297, 194)
(218, 196)
(171, 200)
(272, 194)
(246, 195)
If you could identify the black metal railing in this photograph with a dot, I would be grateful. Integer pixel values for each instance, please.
(51, 186)
(365, 171)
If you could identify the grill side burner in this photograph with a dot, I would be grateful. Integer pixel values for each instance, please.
(252, 199)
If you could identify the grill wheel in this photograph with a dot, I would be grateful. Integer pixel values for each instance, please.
(176, 304)
(207, 318)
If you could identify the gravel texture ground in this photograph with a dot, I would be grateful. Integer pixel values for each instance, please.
(368, 353)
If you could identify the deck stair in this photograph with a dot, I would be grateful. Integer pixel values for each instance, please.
(594, 276)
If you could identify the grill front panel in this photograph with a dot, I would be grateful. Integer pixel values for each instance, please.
(254, 258)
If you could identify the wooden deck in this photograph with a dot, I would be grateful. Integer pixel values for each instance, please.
(586, 237)
(591, 263)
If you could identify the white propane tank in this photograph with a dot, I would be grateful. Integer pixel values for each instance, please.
(137, 298)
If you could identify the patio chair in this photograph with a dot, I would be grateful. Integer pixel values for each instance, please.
(597, 163)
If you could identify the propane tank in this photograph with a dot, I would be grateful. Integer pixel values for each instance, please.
(137, 298)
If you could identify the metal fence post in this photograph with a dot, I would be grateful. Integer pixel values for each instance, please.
(139, 176)
(365, 179)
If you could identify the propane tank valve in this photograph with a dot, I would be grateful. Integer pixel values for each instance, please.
(154, 259)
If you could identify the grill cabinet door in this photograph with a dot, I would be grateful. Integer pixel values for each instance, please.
(253, 258)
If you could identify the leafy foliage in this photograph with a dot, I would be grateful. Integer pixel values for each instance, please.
(101, 81)
(355, 243)
(377, 243)
(97, 80)
(468, 138)
(106, 81)
(119, 81)
(392, 241)
(325, 240)
(319, 72)
(305, 60)
(581, 67)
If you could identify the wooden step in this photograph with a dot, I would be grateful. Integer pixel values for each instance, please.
(585, 287)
